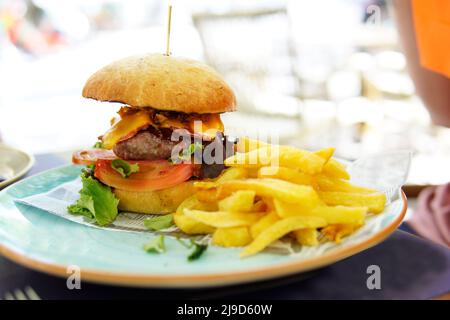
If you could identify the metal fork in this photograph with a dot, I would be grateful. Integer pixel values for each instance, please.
(27, 293)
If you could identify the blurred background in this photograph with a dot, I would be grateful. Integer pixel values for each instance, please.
(316, 73)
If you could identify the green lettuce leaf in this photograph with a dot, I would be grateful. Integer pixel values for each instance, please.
(124, 168)
(156, 245)
(96, 202)
(186, 153)
(98, 145)
(159, 222)
(199, 249)
(84, 206)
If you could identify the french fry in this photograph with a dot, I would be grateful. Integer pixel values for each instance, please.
(338, 214)
(245, 144)
(206, 206)
(189, 203)
(284, 156)
(332, 167)
(299, 159)
(326, 154)
(231, 174)
(335, 169)
(228, 174)
(307, 237)
(239, 201)
(207, 190)
(252, 159)
(326, 183)
(232, 237)
(263, 223)
(286, 210)
(189, 225)
(223, 219)
(375, 202)
(275, 188)
(199, 185)
(286, 174)
(207, 195)
(278, 230)
(336, 232)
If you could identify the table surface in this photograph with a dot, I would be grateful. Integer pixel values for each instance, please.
(410, 268)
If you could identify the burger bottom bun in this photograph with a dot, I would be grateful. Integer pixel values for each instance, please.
(154, 202)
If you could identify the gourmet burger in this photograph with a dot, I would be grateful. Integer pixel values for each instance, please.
(157, 145)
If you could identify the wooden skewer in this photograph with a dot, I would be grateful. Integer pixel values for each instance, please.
(169, 18)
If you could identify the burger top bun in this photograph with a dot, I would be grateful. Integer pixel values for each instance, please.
(162, 82)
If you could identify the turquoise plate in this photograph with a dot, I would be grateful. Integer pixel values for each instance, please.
(48, 243)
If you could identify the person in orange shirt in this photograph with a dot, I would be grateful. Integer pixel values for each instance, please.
(424, 28)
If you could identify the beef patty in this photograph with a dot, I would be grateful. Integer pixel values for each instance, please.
(150, 144)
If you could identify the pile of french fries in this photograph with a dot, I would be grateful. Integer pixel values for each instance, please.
(270, 191)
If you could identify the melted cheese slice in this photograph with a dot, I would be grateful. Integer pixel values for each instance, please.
(210, 125)
(125, 127)
(130, 124)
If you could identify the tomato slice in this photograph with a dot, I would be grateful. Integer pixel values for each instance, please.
(152, 175)
(89, 157)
